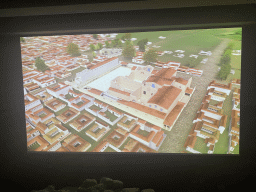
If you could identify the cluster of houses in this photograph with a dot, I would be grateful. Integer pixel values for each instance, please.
(210, 122)
(234, 128)
(62, 119)
(52, 112)
(157, 96)
(138, 59)
(52, 49)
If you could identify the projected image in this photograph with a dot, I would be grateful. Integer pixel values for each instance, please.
(153, 92)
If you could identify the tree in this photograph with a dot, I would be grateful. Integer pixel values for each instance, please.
(114, 43)
(100, 45)
(142, 43)
(150, 56)
(224, 72)
(128, 51)
(107, 44)
(128, 43)
(95, 36)
(119, 43)
(126, 36)
(92, 47)
(225, 59)
(73, 50)
(93, 54)
(40, 65)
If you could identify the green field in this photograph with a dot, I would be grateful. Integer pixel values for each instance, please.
(236, 150)
(191, 41)
(201, 146)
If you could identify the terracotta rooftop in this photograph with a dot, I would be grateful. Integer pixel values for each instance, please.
(165, 96)
(119, 91)
(189, 90)
(100, 146)
(223, 86)
(181, 80)
(144, 109)
(166, 73)
(141, 146)
(172, 116)
(95, 91)
(190, 141)
(103, 62)
(159, 80)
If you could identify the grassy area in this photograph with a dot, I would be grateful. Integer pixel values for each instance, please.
(33, 146)
(42, 115)
(125, 143)
(68, 96)
(94, 107)
(80, 103)
(201, 146)
(82, 133)
(235, 62)
(111, 116)
(213, 102)
(191, 41)
(61, 111)
(143, 132)
(109, 149)
(232, 33)
(236, 150)
(221, 147)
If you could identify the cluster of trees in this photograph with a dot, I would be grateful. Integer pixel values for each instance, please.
(73, 50)
(96, 47)
(142, 44)
(126, 37)
(114, 43)
(150, 56)
(128, 50)
(225, 63)
(40, 65)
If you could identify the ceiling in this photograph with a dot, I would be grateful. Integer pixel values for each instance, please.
(49, 7)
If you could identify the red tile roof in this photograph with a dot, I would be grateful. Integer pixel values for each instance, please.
(119, 91)
(103, 62)
(166, 73)
(95, 91)
(165, 96)
(144, 109)
(172, 116)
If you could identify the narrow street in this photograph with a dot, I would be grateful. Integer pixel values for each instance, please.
(175, 140)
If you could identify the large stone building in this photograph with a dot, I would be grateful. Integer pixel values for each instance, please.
(153, 92)
(99, 69)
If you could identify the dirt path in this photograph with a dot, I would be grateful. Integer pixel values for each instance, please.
(175, 140)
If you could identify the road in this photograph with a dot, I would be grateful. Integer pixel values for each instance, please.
(175, 140)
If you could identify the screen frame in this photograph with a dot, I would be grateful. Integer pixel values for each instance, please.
(164, 166)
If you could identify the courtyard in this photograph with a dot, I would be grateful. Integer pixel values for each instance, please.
(103, 83)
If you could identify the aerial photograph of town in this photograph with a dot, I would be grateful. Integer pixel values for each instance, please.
(156, 92)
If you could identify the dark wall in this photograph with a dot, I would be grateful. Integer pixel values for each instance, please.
(162, 172)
